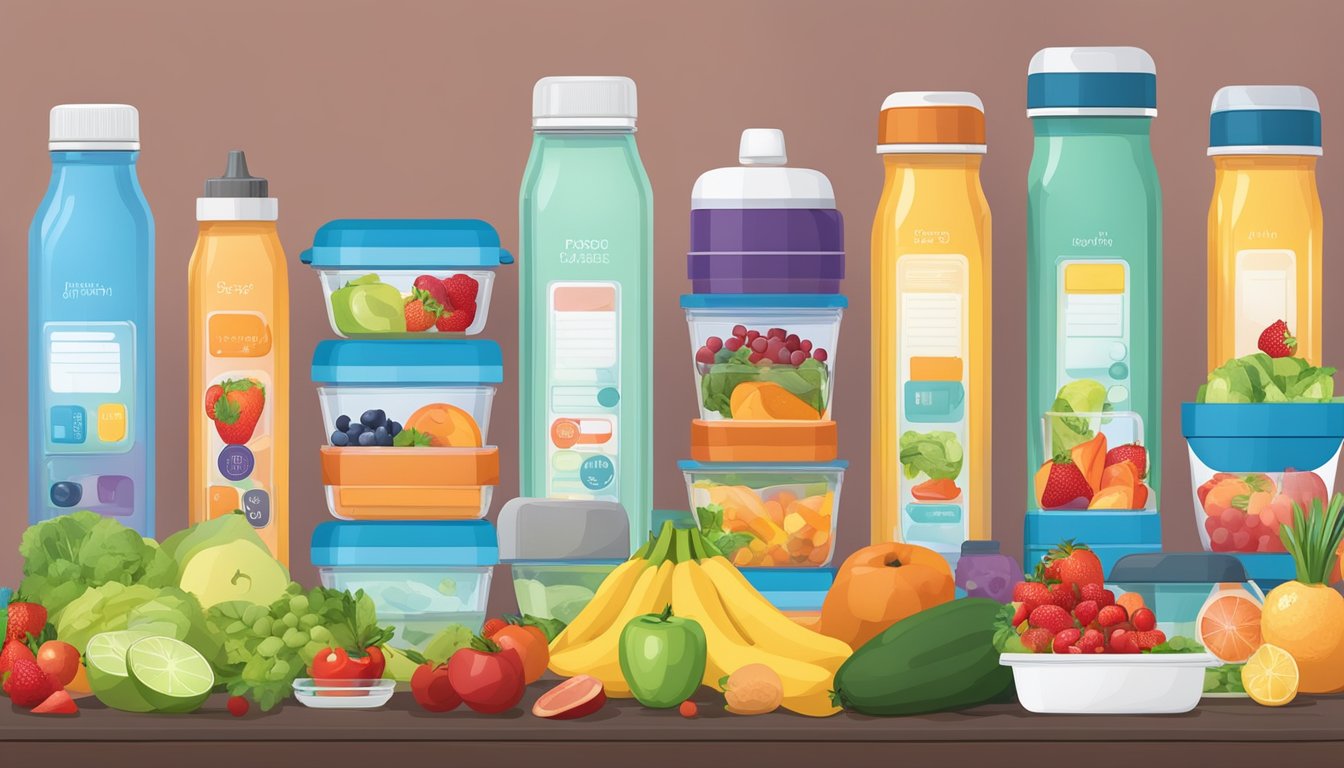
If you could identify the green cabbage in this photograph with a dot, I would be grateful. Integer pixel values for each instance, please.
(937, 454)
(1259, 378)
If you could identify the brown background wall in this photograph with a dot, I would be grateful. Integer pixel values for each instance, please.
(422, 108)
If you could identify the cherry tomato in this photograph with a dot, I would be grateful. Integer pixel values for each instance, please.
(433, 690)
(530, 645)
(488, 679)
(60, 660)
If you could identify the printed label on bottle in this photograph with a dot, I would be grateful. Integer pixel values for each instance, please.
(583, 398)
(90, 392)
(1265, 291)
(237, 414)
(1093, 336)
(932, 316)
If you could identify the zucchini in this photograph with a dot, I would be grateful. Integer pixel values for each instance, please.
(937, 660)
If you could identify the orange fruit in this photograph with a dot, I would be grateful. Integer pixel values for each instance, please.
(1130, 601)
(447, 426)
(1229, 625)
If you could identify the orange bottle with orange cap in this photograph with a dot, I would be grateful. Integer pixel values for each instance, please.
(931, 324)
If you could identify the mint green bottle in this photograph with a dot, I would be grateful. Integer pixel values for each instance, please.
(586, 300)
(1094, 259)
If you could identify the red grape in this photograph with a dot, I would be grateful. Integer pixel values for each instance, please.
(732, 344)
(777, 333)
(819, 355)
(752, 336)
(759, 345)
(784, 356)
(797, 357)
(704, 355)
(714, 343)
(805, 345)
(756, 357)
(740, 331)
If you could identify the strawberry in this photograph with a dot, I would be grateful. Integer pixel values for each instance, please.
(1037, 640)
(1077, 564)
(25, 619)
(1064, 596)
(434, 287)
(1050, 570)
(1065, 484)
(58, 703)
(462, 290)
(422, 311)
(1086, 612)
(1092, 641)
(1123, 641)
(1031, 594)
(1131, 452)
(237, 409)
(1277, 341)
(457, 318)
(1144, 619)
(1149, 638)
(1112, 615)
(1064, 638)
(14, 650)
(1051, 617)
(27, 685)
(1098, 594)
(1019, 614)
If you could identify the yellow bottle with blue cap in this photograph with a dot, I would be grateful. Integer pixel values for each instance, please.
(1265, 221)
(931, 332)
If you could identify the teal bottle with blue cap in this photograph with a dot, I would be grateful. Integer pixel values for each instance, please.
(1094, 279)
(1265, 222)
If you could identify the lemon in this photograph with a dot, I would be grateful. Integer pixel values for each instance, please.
(1270, 676)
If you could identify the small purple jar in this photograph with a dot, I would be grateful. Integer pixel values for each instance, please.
(983, 571)
(762, 227)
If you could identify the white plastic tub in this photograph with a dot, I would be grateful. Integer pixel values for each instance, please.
(1109, 684)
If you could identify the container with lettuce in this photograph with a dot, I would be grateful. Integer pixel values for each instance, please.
(1084, 396)
(1259, 378)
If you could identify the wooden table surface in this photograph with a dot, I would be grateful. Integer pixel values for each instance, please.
(1225, 731)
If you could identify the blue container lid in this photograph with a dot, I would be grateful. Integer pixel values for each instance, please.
(1263, 437)
(1095, 527)
(1177, 568)
(404, 544)
(686, 465)
(792, 589)
(408, 362)
(406, 244)
(1268, 570)
(764, 300)
(1265, 119)
(1096, 81)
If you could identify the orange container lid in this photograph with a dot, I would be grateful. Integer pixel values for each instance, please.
(420, 467)
(931, 122)
(788, 441)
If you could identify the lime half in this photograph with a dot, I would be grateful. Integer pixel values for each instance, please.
(108, 678)
(171, 675)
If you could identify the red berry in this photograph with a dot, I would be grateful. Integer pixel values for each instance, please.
(1098, 594)
(1149, 639)
(752, 336)
(792, 341)
(688, 708)
(1064, 638)
(756, 357)
(1020, 614)
(1112, 615)
(777, 333)
(1037, 640)
(238, 706)
(1031, 594)
(759, 344)
(704, 356)
(714, 343)
(1063, 596)
(797, 357)
(819, 355)
(785, 357)
(1240, 540)
(805, 345)
(732, 344)
(1050, 617)
(1212, 524)
(740, 331)
(1233, 519)
(1123, 641)
(1144, 619)
(1086, 612)
(1092, 641)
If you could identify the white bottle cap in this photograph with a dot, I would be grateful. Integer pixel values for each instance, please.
(93, 127)
(1121, 58)
(584, 102)
(762, 180)
(1231, 98)
(762, 146)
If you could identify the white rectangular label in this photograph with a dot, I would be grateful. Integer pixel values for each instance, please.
(1266, 291)
(84, 363)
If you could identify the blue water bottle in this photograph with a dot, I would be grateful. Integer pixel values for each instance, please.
(91, 324)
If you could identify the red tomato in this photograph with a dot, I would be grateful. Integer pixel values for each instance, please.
(60, 660)
(433, 690)
(490, 681)
(374, 662)
(530, 645)
(332, 664)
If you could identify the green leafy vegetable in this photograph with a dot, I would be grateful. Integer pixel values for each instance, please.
(807, 381)
(113, 606)
(551, 628)
(1081, 396)
(1259, 378)
(937, 454)
(711, 528)
(66, 555)
(411, 438)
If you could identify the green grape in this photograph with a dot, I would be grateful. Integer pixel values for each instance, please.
(278, 628)
(309, 620)
(296, 638)
(262, 627)
(277, 671)
(269, 647)
(319, 634)
(298, 604)
(253, 612)
(291, 620)
(235, 627)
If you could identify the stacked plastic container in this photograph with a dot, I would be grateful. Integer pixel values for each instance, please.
(406, 462)
(765, 264)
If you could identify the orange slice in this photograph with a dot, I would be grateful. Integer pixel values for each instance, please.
(1229, 625)
(447, 426)
(1270, 676)
(767, 401)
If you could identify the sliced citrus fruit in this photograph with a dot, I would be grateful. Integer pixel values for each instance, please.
(107, 676)
(447, 426)
(1229, 625)
(171, 675)
(1270, 676)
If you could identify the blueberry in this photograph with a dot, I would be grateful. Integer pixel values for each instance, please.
(382, 437)
(374, 418)
(340, 438)
(366, 438)
(393, 427)
(355, 431)
(342, 422)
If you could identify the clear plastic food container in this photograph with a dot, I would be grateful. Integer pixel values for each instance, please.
(767, 515)
(1106, 451)
(405, 424)
(406, 277)
(1251, 463)
(423, 577)
(1108, 684)
(560, 551)
(764, 357)
(797, 592)
(1204, 597)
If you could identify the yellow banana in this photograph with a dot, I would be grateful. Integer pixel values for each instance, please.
(807, 685)
(612, 595)
(770, 629)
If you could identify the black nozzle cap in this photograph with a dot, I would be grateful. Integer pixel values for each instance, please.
(236, 181)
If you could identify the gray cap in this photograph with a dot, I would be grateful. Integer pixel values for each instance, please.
(559, 529)
(236, 181)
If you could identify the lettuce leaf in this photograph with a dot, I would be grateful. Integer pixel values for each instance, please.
(937, 454)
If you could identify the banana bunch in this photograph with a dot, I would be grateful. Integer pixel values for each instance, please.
(741, 627)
